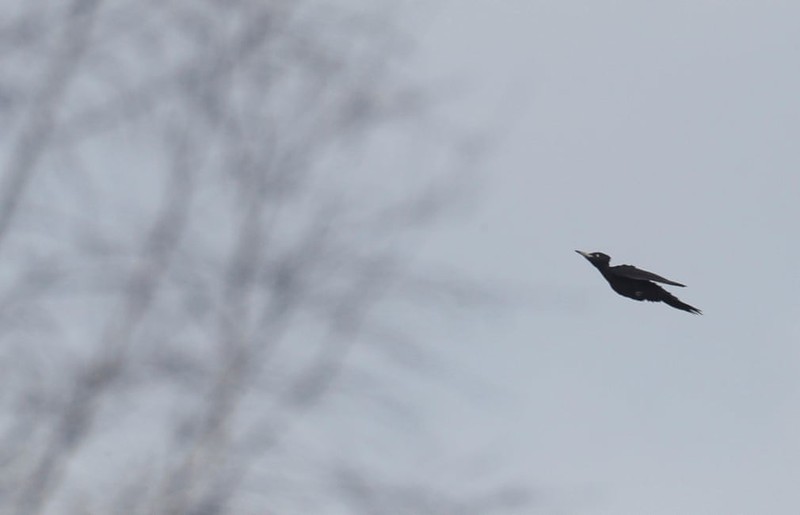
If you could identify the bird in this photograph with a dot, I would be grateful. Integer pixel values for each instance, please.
(636, 284)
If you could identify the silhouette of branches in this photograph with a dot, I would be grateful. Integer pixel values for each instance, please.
(193, 238)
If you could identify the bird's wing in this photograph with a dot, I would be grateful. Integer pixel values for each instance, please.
(631, 272)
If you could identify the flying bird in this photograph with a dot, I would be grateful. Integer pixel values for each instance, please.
(636, 284)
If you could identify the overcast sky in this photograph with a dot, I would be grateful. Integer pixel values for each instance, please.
(664, 134)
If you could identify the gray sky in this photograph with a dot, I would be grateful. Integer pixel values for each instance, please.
(664, 134)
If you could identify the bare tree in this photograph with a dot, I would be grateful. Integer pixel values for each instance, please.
(198, 222)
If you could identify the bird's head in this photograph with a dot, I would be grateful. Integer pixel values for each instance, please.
(598, 259)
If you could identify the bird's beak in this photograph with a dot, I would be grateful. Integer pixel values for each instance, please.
(582, 253)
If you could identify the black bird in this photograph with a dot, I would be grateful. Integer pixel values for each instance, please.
(636, 284)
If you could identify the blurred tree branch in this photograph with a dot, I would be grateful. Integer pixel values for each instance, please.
(37, 128)
(194, 228)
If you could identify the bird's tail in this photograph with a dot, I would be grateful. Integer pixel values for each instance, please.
(677, 304)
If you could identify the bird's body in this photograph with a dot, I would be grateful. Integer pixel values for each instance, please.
(635, 283)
